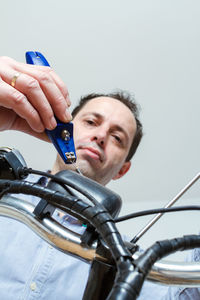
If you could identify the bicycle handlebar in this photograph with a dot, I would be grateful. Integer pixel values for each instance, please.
(186, 274)
(132, 270)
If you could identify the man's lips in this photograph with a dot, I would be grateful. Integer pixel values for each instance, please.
(94, 153)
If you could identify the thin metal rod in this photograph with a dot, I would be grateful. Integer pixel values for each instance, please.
(169, 204)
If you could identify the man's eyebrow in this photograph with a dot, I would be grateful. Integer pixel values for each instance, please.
(95, 114)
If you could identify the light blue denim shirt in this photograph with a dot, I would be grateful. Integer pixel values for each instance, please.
(32, 269)
(185, 293)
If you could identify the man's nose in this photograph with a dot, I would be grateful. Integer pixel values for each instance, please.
(100, 137)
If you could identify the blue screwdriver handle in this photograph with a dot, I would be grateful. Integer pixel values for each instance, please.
(62, 135)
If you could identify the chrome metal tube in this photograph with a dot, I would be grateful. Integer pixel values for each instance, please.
(65, 240)
(48, 229)
(169, 204)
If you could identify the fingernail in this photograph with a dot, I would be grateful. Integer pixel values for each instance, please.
(40, 128)
(52, 123)
(68, 115)
(68, 100)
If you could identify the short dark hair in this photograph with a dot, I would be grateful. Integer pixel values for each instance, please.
(130, 102)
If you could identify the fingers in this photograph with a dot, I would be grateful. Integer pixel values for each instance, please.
(38, 101)
(60, 84)
(12, 99)
(22, 125)
(53, 87)
(10, 120)
(38, 94)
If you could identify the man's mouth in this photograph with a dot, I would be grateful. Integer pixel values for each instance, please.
(93, 153)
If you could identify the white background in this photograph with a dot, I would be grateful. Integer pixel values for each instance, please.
(150, 48)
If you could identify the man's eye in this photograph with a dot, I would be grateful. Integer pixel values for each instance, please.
(118, 139)
(90, 122)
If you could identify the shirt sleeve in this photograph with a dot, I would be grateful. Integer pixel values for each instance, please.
(181, 293)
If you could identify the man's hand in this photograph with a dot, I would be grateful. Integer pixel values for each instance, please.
(37, 95)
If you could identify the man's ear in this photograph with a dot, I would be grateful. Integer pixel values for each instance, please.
(124, 169)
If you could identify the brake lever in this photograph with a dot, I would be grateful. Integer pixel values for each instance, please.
(62, 135)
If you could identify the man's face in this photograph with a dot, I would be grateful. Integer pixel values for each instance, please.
(103, 132)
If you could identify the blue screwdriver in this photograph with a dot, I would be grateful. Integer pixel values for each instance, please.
(62, 135)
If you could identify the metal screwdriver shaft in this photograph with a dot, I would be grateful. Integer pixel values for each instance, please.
(169, 204)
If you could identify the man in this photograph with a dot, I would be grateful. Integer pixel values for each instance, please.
(107, 132)
(28, 105)
(105, 141)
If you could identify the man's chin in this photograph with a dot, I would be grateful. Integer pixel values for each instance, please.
(87, 169)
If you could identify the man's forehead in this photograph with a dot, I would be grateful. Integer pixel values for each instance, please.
(105, 102)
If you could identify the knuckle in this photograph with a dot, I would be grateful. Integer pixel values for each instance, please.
(61, 84)
(17, 97)
(44, 77)
(33, 115)
(59, 100)
(47, 113)
(51, 73)
(48, 70)
(31, 84)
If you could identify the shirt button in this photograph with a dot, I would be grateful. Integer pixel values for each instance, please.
(33, 286)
